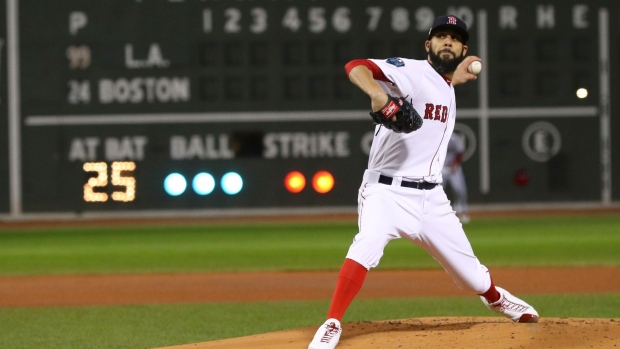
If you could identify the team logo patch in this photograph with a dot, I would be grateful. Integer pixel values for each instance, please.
(389, 110)
(396, 62)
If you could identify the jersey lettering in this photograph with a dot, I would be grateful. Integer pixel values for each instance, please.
(436, 112)
(444, 114)
(428, 113)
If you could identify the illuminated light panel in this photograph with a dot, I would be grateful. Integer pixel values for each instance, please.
(203, 183)
(295, 182)
(582, 93)
(175, 184)
(101, 168)
(323, 182)
(121, 179)
(232, 183)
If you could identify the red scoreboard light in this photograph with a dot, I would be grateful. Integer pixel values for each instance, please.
(295, 182)
(323, 182)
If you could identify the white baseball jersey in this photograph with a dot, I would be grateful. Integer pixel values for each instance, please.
(418, 155)
(388, 210)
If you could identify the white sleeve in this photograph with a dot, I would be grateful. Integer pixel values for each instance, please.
(402, 73)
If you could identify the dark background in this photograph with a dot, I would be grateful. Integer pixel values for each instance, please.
(294, 71)
(4, 142)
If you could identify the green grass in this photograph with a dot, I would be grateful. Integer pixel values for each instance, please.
(565, 241)
(149, 326)
(175, 249)
(534, 242)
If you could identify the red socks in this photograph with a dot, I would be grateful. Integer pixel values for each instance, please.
(350, 281)
(491, 295)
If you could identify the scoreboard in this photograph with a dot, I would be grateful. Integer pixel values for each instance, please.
(4, 142)
(152, 105)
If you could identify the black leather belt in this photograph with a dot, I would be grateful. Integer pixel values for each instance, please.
(416, 185)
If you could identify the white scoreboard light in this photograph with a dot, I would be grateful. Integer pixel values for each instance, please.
(245, 104)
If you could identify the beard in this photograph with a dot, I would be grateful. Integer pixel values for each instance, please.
(444, 65)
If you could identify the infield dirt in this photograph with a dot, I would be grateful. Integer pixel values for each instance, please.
(446, 332)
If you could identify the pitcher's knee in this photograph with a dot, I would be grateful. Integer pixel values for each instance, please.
(367, 258)
(365, 252)
(476, 284)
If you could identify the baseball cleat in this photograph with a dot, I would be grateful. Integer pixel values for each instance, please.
(327, 336)
(512, 307)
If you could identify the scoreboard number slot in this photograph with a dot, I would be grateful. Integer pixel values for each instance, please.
(121, 175)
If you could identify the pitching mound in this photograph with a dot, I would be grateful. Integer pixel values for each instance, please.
(448, 332)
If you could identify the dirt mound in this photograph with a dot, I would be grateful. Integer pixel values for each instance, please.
(445, 332)
(80, 290)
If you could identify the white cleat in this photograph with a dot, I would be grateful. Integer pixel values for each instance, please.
(327, 336)
(512, 307)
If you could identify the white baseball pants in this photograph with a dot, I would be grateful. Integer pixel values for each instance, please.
(388, 212)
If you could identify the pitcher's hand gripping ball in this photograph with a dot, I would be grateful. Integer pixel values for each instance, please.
(398, 115)
(475, 67)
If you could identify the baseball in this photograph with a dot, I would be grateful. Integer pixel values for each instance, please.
(475, 67)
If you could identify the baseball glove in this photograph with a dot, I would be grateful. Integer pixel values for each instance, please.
(407, 118)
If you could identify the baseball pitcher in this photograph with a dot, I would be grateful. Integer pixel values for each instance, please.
(414, 107)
